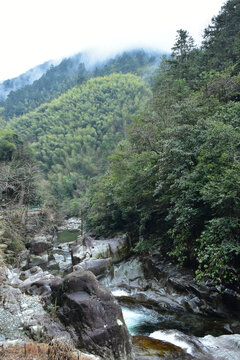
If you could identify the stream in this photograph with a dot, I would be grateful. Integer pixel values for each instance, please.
(143, 319)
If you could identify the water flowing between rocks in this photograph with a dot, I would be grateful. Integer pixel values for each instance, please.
(171, 322)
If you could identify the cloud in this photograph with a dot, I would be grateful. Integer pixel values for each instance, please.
(37, 31)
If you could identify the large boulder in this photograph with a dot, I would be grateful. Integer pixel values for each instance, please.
(117, 249)
(95, 315)
(39, 250)
(35, 281)
(40, 244)
(98, 267)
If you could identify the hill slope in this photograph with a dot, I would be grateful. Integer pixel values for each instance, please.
(72, 71)
(73, 135)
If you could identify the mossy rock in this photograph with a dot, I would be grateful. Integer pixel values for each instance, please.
(149, 348)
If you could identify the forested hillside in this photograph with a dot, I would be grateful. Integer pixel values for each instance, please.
(26, 78)
(173, 185)
(73, 135)
(70, 72)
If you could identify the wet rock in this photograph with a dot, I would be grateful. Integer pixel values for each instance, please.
(150, 281)
(93, 312)
(225, 347)
(146, 348)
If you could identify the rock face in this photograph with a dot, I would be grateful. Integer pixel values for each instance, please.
(39, 249)
(117, 249)
(152, 280)
(98, 267)
(40, 244)
(94, 314)
(196, 298)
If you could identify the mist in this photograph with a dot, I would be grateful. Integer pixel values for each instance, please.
(37, 31)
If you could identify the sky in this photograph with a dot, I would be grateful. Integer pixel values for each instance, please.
(35, 31)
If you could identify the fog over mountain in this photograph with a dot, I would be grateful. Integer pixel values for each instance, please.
(51, 79)
(92, 59)
(26, 78)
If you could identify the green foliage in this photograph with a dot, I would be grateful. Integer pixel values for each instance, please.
(18, 173)
(9, 145)
(219, 251)
(54, 82)
(174, 184)
(73, 135)
(222, 38)
(71, 72)
(136, 62)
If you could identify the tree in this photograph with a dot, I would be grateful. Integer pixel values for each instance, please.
(18, 172)
(222, 38)
(183, 46)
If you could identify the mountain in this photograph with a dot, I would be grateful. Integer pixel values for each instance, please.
(75, 70)
(73, 135)
(24, 79)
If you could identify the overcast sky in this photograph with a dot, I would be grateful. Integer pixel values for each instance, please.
(34, 31)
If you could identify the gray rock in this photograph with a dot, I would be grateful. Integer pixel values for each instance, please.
(36, 260)
(71, 224)
(40, 244)
(116, 248)
(96, 266)
(225, 347)
(95, 315)
(36, 281)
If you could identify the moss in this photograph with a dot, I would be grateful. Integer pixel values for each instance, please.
(148, 347)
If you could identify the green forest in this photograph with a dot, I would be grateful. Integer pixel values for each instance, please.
(173, 185)
(154, 156)
(71, 72)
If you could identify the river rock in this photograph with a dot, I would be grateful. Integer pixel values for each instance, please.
(36, 260)
(71, 224)
(148, 348)
(93, 312)
(35, 281)
(150, 280)
(225, 347)
(98, 267)
(87, 247)
(40, 244)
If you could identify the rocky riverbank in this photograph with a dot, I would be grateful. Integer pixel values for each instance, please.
(76, 310)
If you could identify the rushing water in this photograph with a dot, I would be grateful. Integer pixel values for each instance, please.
(143, 321)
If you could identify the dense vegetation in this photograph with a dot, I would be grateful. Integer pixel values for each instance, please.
(24, 79)
(53, 83)
(18, 172)
(173, 184)
(73, 135)
(70, 72)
